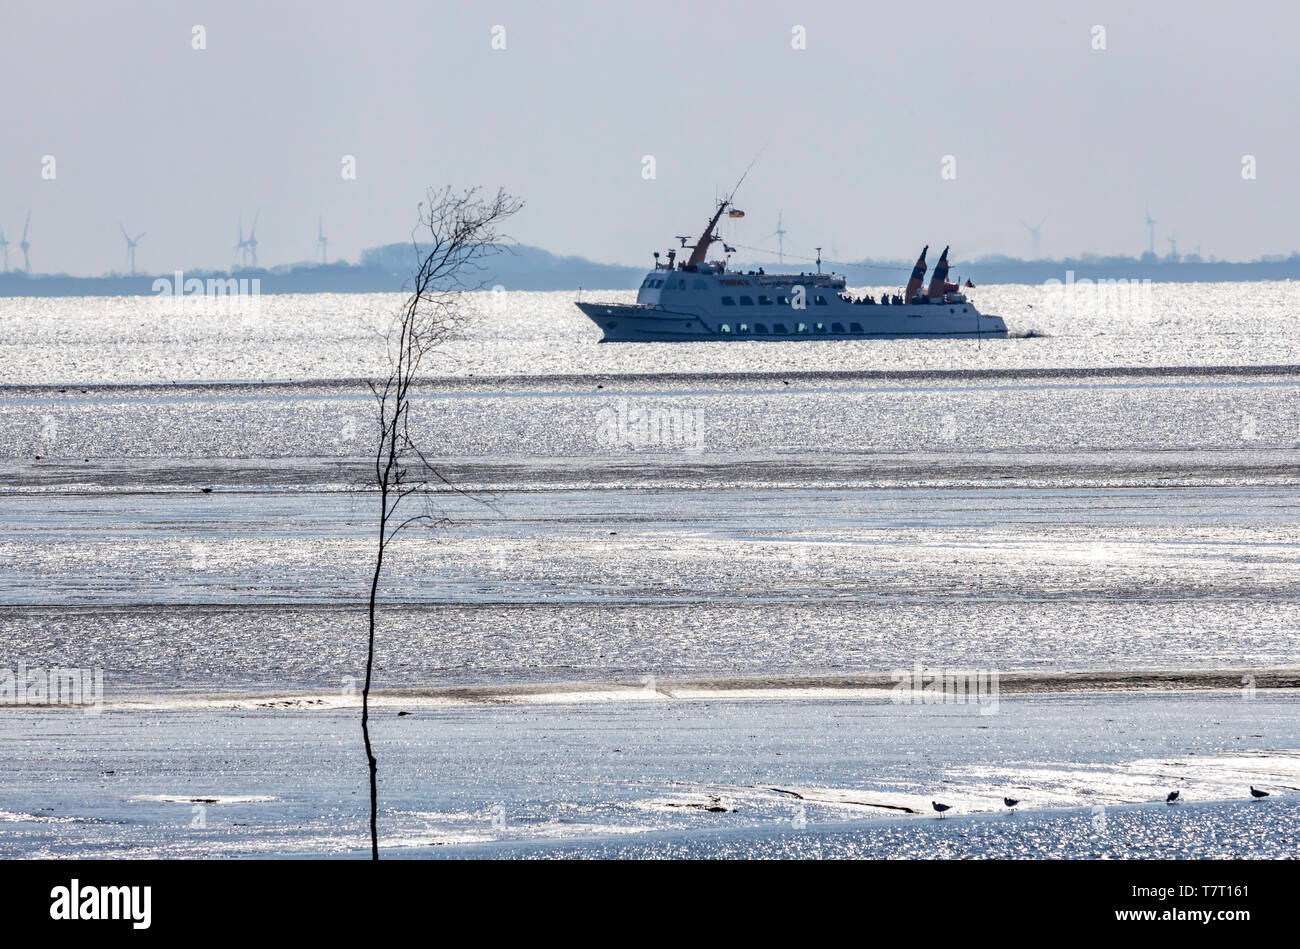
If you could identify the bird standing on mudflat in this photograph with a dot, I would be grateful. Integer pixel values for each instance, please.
(1257, 794)
(1011, 802)
(1172, 798)
(940, 807)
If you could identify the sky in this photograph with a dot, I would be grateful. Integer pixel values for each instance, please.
(853, 132)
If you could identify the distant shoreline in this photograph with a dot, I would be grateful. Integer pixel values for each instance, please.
(535, 270)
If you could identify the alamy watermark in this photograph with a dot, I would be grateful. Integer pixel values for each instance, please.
(1120, 299)
(217, 296)
(639, 427)
(1098, 819)
(922, 686)
(74, 901)
(53, 686)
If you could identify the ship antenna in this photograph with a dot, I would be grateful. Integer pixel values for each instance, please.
(744, 176)
(701, 247)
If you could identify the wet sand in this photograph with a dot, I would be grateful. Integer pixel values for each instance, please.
(711, 776)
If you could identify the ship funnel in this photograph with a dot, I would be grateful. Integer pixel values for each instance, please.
(940, 276)
(918, 276)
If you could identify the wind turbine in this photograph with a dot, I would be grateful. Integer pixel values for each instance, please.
(242, 245)
(321, 240)
(23, 245)
(1037, 234)
(1173, 247)
(1151, 233)
(248, 245)
(130, 245)
(252, 238)
(779, 234)
(4, 247)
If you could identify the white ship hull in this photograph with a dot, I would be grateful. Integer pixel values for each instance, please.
(678, 306)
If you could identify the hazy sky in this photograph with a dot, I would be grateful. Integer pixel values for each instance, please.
(853, 129)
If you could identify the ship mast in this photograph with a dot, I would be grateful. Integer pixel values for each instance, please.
(702, 245)
(708, 237)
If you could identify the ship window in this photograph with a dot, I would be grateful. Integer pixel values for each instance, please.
(728, 301)
(746, 301)
(801, 328)
(699, 285)
(764, 300)
(726, 328)
(952, 309)
(855, 327)
(837, 327)
(821, 327)
(742, 328)
(783, 301)
(819, 300)
(760, 329)
(646, 282)
(779, 329)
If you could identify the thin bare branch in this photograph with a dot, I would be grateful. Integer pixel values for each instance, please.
(460, 230)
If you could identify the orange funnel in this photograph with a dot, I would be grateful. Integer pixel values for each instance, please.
(940, 276)
(918, 276)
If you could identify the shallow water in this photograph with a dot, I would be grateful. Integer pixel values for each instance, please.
(1120, 495)
(238, 590)
(664, 777)
(315, 336)
(694, 517)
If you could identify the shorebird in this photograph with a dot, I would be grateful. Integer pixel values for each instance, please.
(1172, 798)
(940, 807)
(1011, 802)
(1257, 794)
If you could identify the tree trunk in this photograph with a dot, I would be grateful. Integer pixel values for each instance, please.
(365, 691)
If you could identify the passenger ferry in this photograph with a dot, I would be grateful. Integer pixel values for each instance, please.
(702, 300)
